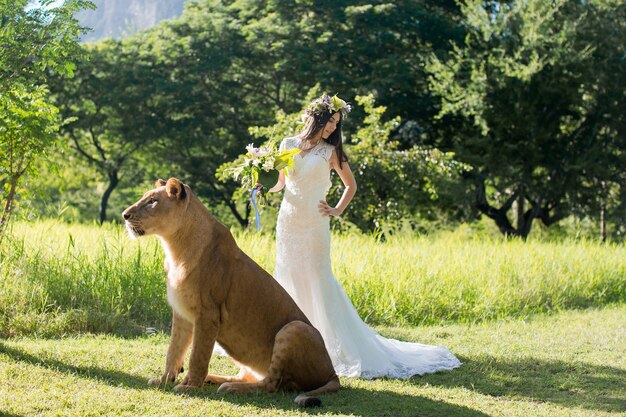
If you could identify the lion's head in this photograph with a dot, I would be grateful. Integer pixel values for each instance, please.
(159, 210)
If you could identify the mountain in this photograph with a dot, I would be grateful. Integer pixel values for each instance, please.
(120, 18)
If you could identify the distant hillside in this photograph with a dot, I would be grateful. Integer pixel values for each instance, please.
(120, 18)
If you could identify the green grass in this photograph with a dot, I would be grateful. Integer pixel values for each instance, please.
(57, 279)
(566, 364)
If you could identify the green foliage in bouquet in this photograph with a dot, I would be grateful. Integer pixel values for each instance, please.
(259, 166)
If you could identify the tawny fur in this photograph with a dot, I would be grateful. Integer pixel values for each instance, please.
(218, 293)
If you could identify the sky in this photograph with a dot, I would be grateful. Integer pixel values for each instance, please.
(35, 3)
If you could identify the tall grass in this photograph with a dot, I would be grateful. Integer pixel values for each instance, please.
(57, 279)
(427, 281)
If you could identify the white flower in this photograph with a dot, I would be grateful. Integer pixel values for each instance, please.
(268, 165)
(256, 152)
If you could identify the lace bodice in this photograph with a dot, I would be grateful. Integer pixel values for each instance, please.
(306, 184)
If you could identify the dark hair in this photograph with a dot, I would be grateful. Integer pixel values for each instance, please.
(314, 123)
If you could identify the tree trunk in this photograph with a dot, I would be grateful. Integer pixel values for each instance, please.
(497, 215)
(527, 221)
(503, 223)
(8, 206)
(546, 218)
(233, 208)
(113, 181)
(520, 212)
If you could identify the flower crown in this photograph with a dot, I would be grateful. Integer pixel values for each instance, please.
(328, 104)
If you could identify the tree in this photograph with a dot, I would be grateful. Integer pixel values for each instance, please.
(538, 91)
(234, 64)
(225, 66)
(28, 124)
(110, 107)
(396, 185)
(36, 39)
(349, 47)
(176, 92)
(210, 97)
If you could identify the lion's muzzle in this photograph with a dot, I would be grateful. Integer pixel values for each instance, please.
(133, 230)
(133, 226)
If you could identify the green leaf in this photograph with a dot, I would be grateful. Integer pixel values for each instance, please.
(268, 179)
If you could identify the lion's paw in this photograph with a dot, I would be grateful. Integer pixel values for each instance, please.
(213, 379)
(225, 388)
(165, 378)
(185, 388)
(154, 382)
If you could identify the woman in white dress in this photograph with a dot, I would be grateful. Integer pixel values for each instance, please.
(303, 265)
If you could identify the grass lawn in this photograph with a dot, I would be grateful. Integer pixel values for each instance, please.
(568, 364)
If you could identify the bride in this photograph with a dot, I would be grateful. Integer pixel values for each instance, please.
(303, 256)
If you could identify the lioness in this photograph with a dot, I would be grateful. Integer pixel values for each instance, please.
(218, 293)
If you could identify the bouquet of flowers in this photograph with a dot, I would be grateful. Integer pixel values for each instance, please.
(261, 165)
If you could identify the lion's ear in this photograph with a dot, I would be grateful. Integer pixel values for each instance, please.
(175, 188)
(159, 183)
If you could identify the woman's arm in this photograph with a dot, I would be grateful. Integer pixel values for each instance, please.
(345, 173)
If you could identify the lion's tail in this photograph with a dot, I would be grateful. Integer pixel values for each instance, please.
(309, 399)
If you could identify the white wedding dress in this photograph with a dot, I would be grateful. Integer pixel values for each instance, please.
(303, 268)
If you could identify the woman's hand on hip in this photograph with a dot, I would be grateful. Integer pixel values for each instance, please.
(327, 210)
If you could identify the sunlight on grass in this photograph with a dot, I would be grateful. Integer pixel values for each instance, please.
(567, 364)
(57, 279)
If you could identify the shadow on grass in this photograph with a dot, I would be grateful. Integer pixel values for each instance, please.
(357, 401)
(575, 384)
(92, 372)
(352, 401)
